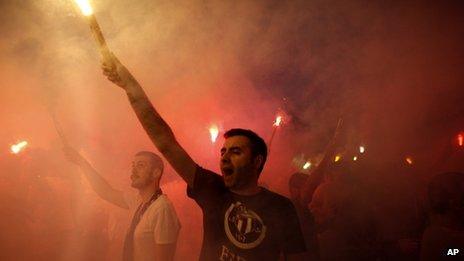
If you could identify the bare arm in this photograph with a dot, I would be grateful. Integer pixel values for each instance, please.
(98, 183)
(165, 252)
(157, 129)
(315, 179)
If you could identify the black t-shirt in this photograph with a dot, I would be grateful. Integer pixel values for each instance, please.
(257, 227)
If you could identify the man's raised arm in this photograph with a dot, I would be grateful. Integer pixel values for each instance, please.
(157, 129)
(316, 178)
(97, 182)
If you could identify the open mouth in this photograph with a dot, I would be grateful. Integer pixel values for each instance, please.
(227, 171)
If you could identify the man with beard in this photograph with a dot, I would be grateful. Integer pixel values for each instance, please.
(154, 229)
(241, 220)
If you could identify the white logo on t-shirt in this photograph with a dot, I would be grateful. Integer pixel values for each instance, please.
(243, 227)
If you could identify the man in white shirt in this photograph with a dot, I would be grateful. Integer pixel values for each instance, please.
(155, 227)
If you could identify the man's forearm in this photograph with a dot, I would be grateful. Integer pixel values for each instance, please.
(101, 186)
(157, 129)
(98, 183)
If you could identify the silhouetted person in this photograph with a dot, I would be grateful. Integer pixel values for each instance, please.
(295, 184)
(446, 229)
(342, 213)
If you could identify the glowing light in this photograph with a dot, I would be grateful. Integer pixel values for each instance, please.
(278, 121)
(461, 139)
(355, 158)
(337, 158)
(85, 7)
(213, 132)
(409, 160)
(307, 165)
(18, 147)
(362, 149)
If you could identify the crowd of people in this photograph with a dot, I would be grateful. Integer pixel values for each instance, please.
(332, 213)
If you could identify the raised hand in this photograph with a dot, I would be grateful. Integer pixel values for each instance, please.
(116, 72)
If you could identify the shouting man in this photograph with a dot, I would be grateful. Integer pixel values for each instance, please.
(154, 228)
(241, 220)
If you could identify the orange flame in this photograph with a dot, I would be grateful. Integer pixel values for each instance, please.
(461, 140)
(213, 132)
(18, 147)
(278, 121)
(409, 160)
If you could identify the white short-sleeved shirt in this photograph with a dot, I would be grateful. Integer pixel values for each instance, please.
(158, 225)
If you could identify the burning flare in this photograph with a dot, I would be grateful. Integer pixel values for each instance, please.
(307, 165)
(461, 140)
(85, 7)
(409, 160)
(213, 132)
(18, 147)
(278, 121)
(362, 149)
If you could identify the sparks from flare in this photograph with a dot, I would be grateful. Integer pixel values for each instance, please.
(337, 158)
(18, 147)
(355, 158)
(213, 132)
(307, 165)
(85, 7)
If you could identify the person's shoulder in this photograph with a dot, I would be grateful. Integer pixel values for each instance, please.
(435, 232)
(202, 171)
(161, 205)
(206, 176)
(276, 198)
(163, 201)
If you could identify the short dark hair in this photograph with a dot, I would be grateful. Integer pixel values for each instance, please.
(258, 146)
(297, 180)
(156, 160)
